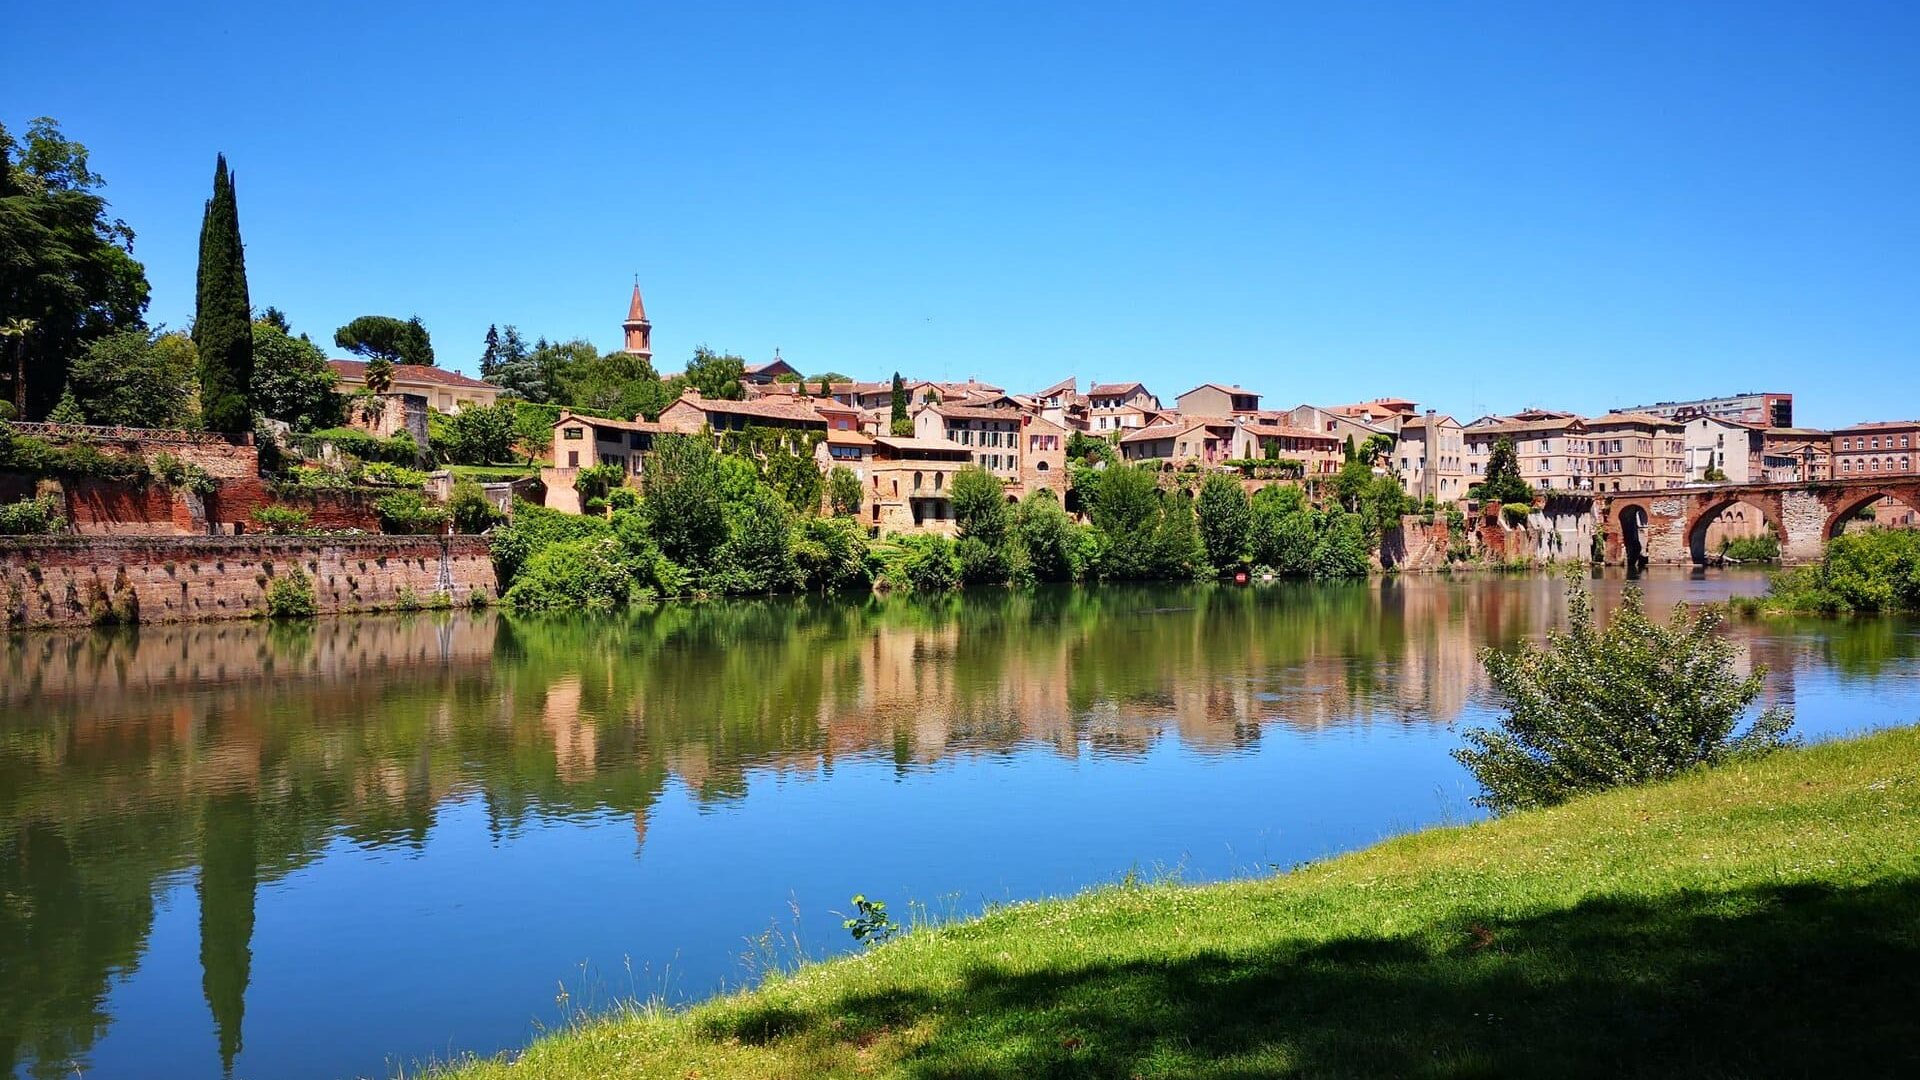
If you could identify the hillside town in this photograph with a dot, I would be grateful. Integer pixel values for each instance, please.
(904, 438)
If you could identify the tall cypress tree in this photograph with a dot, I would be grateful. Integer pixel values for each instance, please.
(223, 316)
(899, 398)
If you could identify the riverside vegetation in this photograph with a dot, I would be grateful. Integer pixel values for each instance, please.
(1872, 571)
(736, 524)
(1643, 930)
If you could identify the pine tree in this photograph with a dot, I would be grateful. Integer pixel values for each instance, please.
(490, 356)
(222, 321)
(67, 410)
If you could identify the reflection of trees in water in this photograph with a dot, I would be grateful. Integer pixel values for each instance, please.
(245, 749)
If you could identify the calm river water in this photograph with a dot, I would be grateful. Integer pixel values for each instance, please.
(347, 848)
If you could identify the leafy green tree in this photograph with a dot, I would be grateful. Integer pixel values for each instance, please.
(716, 375)
(67, 272)
(983, 523)
(1048, 538)
(400, 342)
(1381, 504)
(924, 563)
(1341, 548)
(471, 511)
(519, 371)
(1178, 551)
(481, 434)
(758, 556)
(832, 553)
(1377, 448)
(902, 429)
(1226, 519)
(1283, 531)
(533, 427)
(1124, 505)
(843, 491)
(223, 316)
(124, 378)
(1351, 482)
(899, 403)
(795, 478)
(684, 507)
(291, 380)
(275, 318)
(1503, 483)
(1629, 704)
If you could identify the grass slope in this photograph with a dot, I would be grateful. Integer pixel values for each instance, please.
(1761, 919)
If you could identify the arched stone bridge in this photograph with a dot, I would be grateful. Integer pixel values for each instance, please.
(1670, 526)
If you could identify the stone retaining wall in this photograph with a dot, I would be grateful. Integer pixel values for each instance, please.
(73, 581)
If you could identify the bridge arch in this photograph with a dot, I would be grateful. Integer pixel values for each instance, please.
(1848, 507)
(1709, 511)
(1633, 520)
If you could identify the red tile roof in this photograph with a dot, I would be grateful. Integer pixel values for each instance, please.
(773, 410)
(1113, 389)
(357, 371)
(603, 422)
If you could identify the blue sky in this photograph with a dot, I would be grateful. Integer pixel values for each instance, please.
(1479, 206)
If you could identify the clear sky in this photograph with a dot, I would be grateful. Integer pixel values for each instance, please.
(1479, 206)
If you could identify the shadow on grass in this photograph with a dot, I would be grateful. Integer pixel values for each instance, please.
(1792, 981)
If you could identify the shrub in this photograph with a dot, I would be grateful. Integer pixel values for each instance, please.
(1874, 570)
(279, 519)
(623, 498)
(291, 596)
(1516, 513)
(175, 473)
(1341, 551)
(1052, 545)
(1762, 548)
(832, 553)
(471, 511)
(1629, 704)
(387, 474)
(591, 574)
(532, 529)
(37, 516)
(925, 563)
(410, 513)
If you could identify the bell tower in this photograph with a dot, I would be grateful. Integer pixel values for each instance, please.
(639, 330)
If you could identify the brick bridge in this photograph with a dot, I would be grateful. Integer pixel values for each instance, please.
(1671, 526)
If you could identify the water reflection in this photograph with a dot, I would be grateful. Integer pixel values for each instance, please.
(233, 756)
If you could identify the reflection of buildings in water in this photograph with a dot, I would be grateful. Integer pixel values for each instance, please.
(574, 736)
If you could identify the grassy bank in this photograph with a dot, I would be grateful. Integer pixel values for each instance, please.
(1761, 919)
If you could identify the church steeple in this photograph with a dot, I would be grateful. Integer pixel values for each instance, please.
(639, 330)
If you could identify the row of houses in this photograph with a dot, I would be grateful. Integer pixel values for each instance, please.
(1022, 439)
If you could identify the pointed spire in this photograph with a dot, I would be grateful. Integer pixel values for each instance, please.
(637, 310)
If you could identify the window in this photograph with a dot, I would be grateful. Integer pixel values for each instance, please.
(572, 433)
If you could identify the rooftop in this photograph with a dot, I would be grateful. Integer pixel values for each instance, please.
(417, 373)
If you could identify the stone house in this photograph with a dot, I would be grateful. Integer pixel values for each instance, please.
(910, 483)
(446, 391)
(1218, 399)
(583, 442)
(693, 413)
(1796, 455)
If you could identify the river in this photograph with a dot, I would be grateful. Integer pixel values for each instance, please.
(350, 847)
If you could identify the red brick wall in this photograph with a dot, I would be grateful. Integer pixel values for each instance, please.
(63, 580)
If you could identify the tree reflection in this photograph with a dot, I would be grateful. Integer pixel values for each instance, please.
(243, 750)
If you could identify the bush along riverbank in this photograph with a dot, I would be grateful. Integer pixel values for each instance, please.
(1757, 919)
(1872, 572)
(714, 523)
(1664, 894)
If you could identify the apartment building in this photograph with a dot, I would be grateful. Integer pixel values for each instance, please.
(991, 436)
(1319, 453)
(1797, 455)
(1636, 452)
(910, 483)
(1552, 452)
(1114, 407)
(1201, 440)
(1758, 409)
(1430, 457)
(1723, 451)
(1881, 448)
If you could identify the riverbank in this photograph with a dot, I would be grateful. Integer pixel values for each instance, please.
(1761, 919)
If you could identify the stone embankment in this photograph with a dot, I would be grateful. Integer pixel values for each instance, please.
(48, 581)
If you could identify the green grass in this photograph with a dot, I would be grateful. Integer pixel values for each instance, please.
(487, 474)
(1762, 919)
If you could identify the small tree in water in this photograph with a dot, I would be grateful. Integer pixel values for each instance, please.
(1632, 703)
